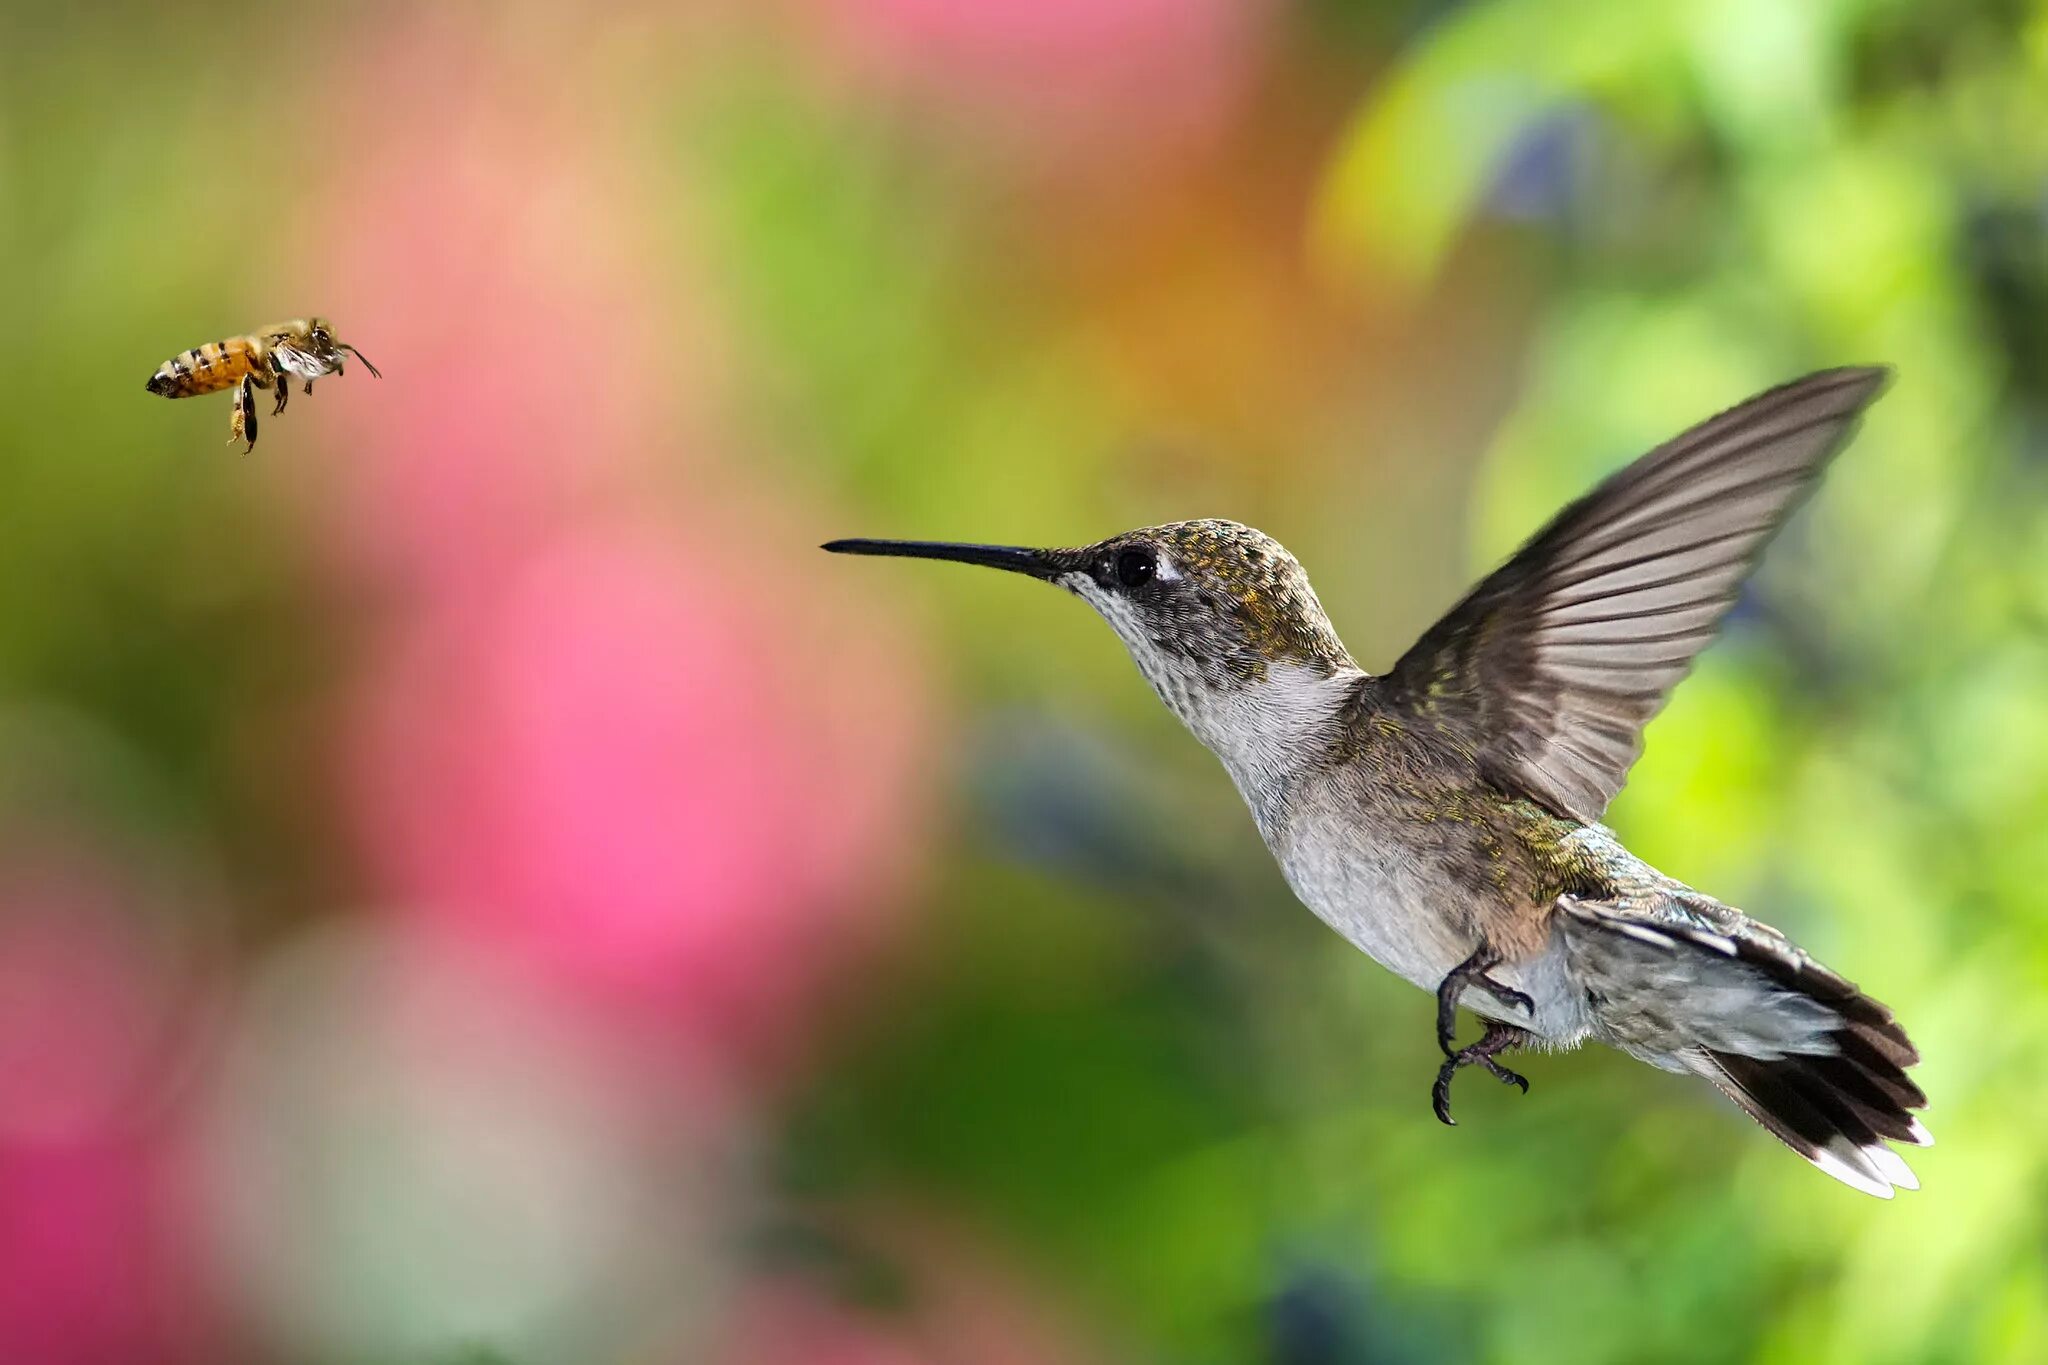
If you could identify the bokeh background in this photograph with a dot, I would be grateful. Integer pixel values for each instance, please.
(476, 885)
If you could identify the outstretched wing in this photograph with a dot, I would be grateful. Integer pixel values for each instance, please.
(1548, 671)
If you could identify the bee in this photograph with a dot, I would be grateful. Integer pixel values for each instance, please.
(269, 358)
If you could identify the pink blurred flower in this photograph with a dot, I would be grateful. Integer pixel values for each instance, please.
(1106, 79)
(83, 1002)
(94, 1265)
(627, 767)
(525, 383)
(594, 730)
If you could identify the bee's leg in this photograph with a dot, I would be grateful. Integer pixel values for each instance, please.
(242, 426)
(281, 382)
(309, 388)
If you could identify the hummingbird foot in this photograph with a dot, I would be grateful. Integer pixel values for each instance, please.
(1471, 972)
(1499, 1038)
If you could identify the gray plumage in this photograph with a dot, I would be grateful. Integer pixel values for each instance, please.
(1443, 816)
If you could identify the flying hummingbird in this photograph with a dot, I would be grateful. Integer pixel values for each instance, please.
(1444, 816)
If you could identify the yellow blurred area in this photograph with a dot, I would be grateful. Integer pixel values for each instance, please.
(476, 885)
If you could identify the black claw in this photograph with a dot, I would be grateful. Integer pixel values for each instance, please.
(1447, 1018)
(1506, 1076)
(1499, 1037)
(1440, 1093)
(1471, 972)
(1509, 997)
(1451, 987)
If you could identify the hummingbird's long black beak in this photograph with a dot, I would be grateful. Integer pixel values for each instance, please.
(1045, 564)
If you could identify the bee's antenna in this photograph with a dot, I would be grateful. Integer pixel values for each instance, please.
(344, 346)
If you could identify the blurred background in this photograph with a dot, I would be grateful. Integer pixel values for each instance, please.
(477, 885)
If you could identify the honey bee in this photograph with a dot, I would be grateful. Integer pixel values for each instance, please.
(269, 358)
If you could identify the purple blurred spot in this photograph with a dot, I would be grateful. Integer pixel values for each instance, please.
(1542, 169)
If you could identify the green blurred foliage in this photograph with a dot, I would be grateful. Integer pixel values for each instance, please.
(1456, 262)
(1728, 195)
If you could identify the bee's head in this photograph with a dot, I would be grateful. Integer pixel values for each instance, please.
(314, 340)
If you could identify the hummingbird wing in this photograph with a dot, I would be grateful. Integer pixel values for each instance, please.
(1549, 669)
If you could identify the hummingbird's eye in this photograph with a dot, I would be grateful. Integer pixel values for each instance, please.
(1136, 567)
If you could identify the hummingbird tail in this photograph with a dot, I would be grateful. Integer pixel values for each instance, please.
(1829, 1110)
(1699, 987)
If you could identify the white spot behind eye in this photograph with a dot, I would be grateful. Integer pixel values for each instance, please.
(1165, 571)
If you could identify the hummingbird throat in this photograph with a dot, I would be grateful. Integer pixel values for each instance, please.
(1264, 718)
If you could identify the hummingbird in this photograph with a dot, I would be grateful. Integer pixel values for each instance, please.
(1444, 816)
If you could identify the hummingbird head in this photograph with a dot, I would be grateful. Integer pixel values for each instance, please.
(1219, 617)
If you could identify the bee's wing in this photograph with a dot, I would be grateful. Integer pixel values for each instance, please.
(1550, 668)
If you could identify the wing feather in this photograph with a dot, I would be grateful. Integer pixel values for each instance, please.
(1549, 669)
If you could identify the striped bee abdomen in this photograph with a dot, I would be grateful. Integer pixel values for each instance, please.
(210, 368)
